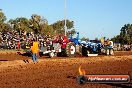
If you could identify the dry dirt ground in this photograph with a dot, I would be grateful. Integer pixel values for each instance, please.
(60, 72)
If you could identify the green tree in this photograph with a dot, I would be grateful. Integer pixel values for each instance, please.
(3, 26)
(40, 25)
(2, 17)
(46, 29)
(60, 29)
(125, 36)
(84, 39)
(20, 24)
(35, 23)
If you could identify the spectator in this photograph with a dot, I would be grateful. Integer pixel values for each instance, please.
(35, 50)
(18, 45)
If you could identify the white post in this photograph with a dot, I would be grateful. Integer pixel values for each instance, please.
(65, 18)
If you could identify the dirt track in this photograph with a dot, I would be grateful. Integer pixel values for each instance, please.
(60, 72)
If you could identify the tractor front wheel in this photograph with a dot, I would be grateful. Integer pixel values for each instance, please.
(107, 51)
(51, 54)
(111, 52)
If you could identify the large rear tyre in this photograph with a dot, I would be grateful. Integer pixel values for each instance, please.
(78, 50)
(70, 49)
(84, 51)
(88, 52)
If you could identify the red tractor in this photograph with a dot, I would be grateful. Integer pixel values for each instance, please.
(63, 46)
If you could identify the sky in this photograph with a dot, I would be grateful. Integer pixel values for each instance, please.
(92, 18)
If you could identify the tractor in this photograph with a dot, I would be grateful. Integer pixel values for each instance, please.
(107, 47)
(95, 48)
(64, 47)
(89, 48)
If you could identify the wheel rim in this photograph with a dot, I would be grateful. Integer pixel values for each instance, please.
(111, 52)
(107, 52)
(51, 54)
(72, 49)
(88, 52)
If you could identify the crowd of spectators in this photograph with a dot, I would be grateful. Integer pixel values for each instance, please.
(20, 40)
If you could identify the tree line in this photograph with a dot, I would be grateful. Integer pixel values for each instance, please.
(125, 36)
(36, 24)
(39, 25)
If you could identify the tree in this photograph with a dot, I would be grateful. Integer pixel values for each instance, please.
(60, 29)
(23, 24)
(46, 29)
(96, 39)
(84, 39)
(3, 26)
(125, 36)
(36, 24)
(116, 39)
(2, 17)
(40, 25)
(20, 24)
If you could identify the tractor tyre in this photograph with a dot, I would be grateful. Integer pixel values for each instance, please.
(111, 52)
(107, 51)
(51, 54)
(88, 52)
(103, 51)
(70, 49)
(84, 51)
(78, 50)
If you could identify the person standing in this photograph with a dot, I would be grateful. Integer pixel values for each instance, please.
(18, 45)
(35, 50)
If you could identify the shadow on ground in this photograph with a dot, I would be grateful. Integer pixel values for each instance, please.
(25, 54)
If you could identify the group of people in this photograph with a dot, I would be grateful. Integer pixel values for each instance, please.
(14, 39)
(22, 40)
(17, 40)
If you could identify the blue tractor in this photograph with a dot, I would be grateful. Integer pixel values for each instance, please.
(84, 48)
(90, 48)
(93, 49)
